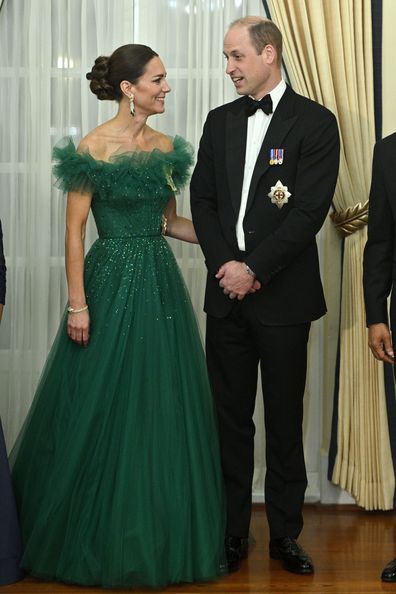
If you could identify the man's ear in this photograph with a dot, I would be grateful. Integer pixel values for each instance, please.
(269, 54)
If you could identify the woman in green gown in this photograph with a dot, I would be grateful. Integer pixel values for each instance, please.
(116, 470)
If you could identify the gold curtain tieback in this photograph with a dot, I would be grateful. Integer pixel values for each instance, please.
(351, 219)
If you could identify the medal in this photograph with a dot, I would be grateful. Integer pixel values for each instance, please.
(279, 194)
(280, 156)
(276, 156)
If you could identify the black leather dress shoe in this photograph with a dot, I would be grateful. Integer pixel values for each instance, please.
(236, 549)
(389, 573)
(293, 557)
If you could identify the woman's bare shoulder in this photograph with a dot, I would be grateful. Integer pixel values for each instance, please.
(96, 142)
(161, 141)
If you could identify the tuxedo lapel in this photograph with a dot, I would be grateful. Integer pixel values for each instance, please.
(282, 121)
(236, 134)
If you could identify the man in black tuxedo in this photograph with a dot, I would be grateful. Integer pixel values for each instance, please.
(261, 189)
(379, 264)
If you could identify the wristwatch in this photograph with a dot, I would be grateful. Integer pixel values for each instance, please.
(249, 270)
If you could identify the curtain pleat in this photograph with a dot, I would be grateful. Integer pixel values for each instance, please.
(376, 11)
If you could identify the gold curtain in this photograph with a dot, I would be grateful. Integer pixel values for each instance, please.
(328, 54)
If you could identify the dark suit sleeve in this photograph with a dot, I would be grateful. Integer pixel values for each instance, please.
(378, 252)
(316, 177)
(2, 270)
(204, 206)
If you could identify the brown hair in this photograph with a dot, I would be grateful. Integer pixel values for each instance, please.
(128, 62)
(262, 32)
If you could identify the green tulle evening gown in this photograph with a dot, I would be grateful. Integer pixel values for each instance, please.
(117, 470)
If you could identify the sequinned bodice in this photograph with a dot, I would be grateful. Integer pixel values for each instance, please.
(130, 192)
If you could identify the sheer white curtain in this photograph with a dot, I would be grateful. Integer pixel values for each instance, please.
(44, 96)
(46, 47)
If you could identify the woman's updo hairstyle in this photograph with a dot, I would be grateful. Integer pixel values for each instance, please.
(128, 62)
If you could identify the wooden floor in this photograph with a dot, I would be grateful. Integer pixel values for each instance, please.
(349, 548)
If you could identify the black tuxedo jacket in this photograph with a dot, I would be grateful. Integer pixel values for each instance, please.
(280, 242)
(379, 262)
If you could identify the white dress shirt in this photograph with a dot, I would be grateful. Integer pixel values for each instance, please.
(257, 128)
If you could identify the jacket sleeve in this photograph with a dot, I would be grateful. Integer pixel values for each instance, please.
(204, 205)
(378, 252)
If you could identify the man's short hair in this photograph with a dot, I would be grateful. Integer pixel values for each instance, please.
(262, 32)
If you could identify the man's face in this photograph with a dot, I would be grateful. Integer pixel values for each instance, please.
(249, 71)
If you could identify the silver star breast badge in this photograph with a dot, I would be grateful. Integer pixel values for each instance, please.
(279, 194)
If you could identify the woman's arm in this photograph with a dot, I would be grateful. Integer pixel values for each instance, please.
(78, 205)
(176, 226)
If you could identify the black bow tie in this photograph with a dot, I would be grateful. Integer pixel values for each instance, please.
(265, 104)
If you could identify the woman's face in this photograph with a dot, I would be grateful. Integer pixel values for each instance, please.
(151, 88)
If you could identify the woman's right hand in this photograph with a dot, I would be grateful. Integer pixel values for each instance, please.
(78, 327)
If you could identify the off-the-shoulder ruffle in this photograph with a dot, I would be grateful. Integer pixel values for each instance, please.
(126, 174)
(71, 169)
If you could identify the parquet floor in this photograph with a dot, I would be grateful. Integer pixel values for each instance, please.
(349, 548)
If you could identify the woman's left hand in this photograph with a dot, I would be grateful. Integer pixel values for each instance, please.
(78, 327)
